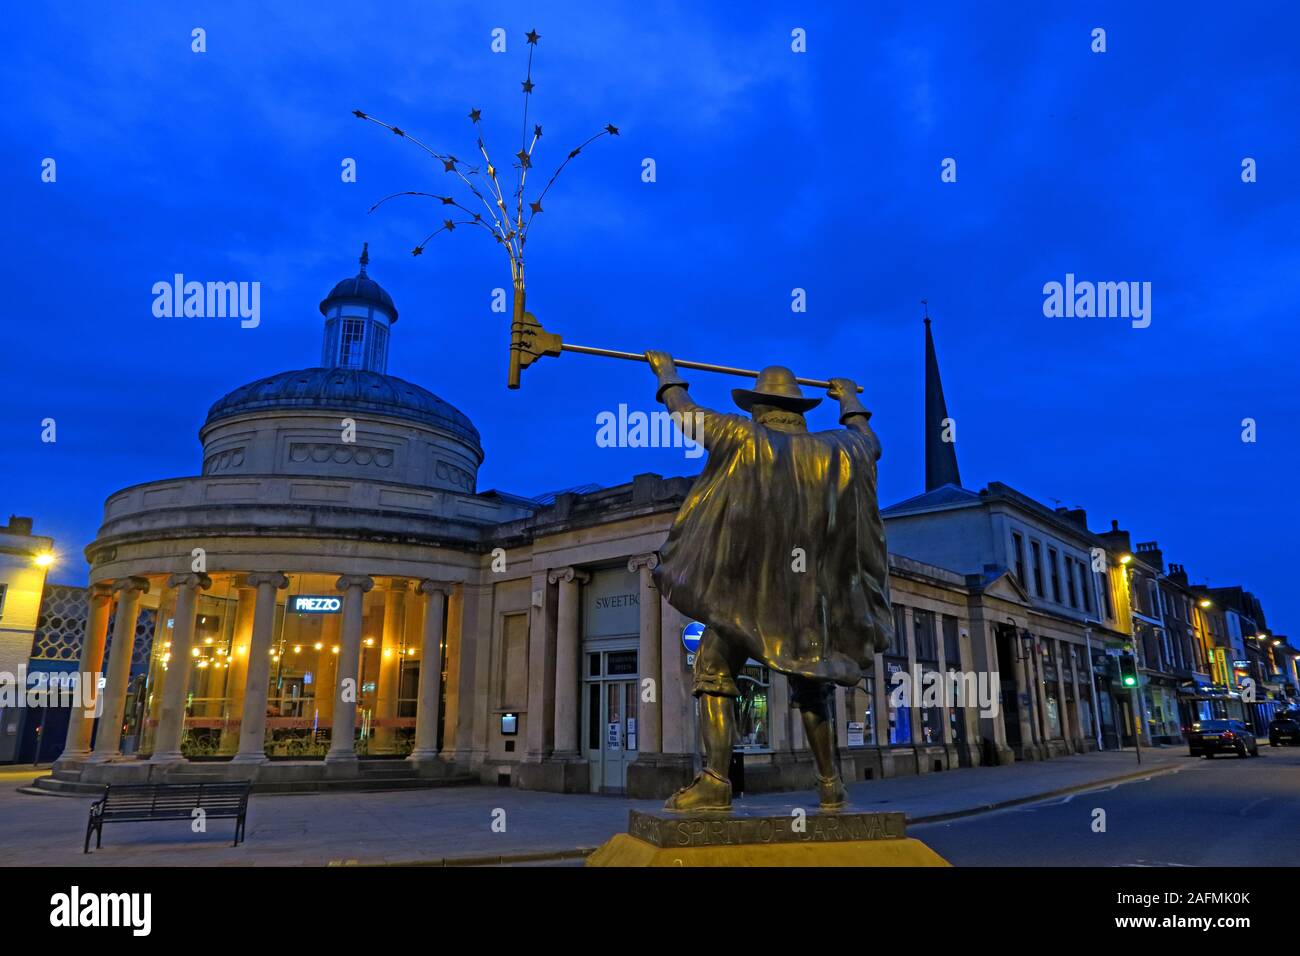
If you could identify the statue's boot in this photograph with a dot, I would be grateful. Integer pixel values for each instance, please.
(709, 791)
(831, 793)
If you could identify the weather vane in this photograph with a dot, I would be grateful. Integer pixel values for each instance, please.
(509, 227)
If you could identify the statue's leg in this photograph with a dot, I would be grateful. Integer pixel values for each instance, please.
(813, 698)
(716, 663)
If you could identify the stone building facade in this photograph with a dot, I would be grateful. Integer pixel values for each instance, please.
(333, 596)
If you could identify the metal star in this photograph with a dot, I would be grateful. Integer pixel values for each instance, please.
(537, 131)
(418, 250)
(449, 164)
(533, 36)
(359, 114)
(397, 132)
(475, 115)
(492, 170)
(528, 86)
(536, 207)
(524, 161)
(611, 129)
(448, 200)
(449, 225)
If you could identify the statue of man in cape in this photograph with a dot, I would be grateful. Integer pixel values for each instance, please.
(780, 552)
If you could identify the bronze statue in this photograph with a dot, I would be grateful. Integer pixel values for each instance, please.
(780, 552)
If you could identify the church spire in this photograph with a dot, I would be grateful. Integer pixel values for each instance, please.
(940, 455)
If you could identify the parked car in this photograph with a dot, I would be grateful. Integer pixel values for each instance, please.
(1284, 729)
(1210, 737)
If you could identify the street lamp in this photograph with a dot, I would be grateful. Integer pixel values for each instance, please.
(43, 559)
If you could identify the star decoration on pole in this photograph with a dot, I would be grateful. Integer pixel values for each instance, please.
(505, 220)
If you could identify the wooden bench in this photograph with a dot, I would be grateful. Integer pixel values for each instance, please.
(141, 803)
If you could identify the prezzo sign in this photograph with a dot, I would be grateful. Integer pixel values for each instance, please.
(315, 604)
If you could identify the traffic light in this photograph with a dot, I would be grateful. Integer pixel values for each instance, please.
(1128, 675)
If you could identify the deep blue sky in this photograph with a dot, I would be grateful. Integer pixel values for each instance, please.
(775, 171)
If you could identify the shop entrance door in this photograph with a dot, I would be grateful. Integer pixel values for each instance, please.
(609, 717)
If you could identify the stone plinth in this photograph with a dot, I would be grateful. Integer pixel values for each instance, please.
(752, 838)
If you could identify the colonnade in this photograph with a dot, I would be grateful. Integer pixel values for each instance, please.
(255, 675)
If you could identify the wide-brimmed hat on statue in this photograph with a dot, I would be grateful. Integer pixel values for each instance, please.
(776, 386)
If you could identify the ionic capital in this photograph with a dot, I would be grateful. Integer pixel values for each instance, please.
(430, 586)
(189, 579)
(648, 561)
(100, 592)
(276, 579)
(567, 576)
(363, 581)
(132, 584)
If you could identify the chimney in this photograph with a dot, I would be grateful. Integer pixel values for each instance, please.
(1150, 553)
(19, 525)
(1076, 516)
(1117, 539)
(1178, 574)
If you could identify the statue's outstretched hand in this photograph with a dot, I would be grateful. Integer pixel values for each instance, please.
(660, 362)
(841, 388)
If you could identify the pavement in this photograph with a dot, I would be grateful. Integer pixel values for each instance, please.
(493, 825)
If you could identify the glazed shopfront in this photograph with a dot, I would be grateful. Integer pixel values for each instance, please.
(303, 656)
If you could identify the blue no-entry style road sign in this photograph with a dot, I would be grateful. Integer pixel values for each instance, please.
(691, 636)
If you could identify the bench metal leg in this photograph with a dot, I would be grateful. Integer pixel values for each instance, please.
(89, 827)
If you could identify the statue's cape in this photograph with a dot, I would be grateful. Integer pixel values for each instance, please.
(780, 545)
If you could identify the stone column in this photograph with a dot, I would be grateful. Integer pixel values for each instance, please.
(649, 724)
(1082, 729)
(108, 741)
(539, 730)
(342, 747)
(434, 594)
(778, 714)
(1024, 694)
(914, 708)
(941, 650)
(1036, 692)
(257, 676)
(567, 652)
(81, 723)
(1067, 731)
(675, 701)
(970, 709)
(390, 668)
(880, 702)
(241, 639)
(458, 696)
(171, 716)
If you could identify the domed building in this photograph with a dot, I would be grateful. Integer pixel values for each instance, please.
(332, 588)
(332, 602)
